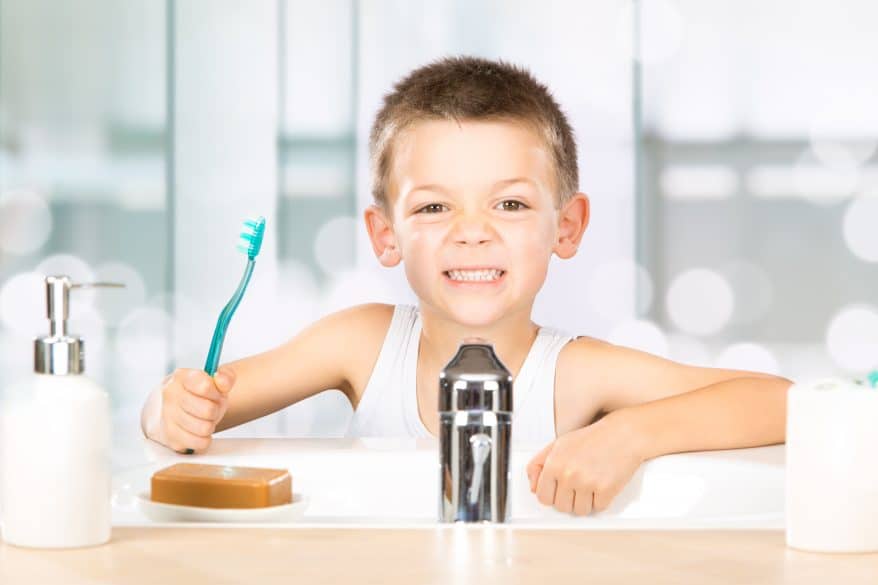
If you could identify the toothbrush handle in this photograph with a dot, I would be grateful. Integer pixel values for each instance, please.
(222, 324)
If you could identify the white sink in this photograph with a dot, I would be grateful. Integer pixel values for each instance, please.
(395, 482)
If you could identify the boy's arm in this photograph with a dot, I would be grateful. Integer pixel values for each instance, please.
(653, 407)
(336, 352)
(674, 407)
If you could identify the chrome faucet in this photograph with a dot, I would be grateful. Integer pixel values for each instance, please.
(475, 415)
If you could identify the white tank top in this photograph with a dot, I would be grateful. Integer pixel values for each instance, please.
(389, 405)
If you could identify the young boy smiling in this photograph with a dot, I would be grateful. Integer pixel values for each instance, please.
(476, 186)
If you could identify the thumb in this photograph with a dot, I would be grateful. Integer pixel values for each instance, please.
(224, 379)
(535, 466)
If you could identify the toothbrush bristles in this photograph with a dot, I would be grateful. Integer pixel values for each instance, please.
(251, 238)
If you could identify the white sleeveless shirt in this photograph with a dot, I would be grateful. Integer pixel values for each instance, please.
(389, 405)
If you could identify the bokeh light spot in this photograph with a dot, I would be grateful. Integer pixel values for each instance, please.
(834, 141)
(852, 338)
(822, 184)
(859, 226)
(700, 301)
(23, 304)
(334, 245)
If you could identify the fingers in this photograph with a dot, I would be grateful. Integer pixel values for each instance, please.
(535, 466)
(602, 499)
(536, 463)
(199, 383)
(582, 502)
(566, 489)
(192, 405)
(181, 440)
(224, 379)
(542, 483)
(546, 487)
(202, 408)
(533, 475)
(564, 499)
(193, 425)
(582, 471)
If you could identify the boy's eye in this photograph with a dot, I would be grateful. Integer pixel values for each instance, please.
(431, 208)
(512, 205)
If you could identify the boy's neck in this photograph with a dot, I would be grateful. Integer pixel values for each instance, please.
(511, 337)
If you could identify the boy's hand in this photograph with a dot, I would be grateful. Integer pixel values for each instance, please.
(192, 404)
(583, 471)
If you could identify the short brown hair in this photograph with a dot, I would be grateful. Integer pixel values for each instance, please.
(471, 88)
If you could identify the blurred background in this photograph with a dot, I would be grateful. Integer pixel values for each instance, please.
(728, 149)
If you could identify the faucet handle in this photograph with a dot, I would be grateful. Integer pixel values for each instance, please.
(480, 444)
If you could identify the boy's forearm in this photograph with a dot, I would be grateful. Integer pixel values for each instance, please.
(742, 412)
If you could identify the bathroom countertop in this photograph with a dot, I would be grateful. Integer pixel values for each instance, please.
(447, 554)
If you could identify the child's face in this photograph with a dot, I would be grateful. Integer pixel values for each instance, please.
(473, 216)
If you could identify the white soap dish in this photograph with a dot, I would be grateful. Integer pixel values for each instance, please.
(161, 512)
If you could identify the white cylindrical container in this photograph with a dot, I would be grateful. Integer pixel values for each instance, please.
(55, 474)
(55, 443)
(831, 471)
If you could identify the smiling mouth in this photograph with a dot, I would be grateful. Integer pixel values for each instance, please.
(481, 275)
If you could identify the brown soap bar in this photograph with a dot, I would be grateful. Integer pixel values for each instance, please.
(220, 486)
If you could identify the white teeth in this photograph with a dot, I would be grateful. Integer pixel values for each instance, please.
(475, 275)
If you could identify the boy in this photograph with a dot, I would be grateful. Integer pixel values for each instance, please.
(476, 186)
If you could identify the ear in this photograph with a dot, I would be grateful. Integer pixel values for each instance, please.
(382, 237)
(572, 221)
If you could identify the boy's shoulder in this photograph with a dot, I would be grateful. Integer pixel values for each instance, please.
(588, 373)
(358, 332)
(369, 321)
(583, 347)
(593, 360)
(591, 353)
(367, 314)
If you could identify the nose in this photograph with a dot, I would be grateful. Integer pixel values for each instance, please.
(472, 229)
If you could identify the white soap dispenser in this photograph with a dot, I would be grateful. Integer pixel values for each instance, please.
(55, 460)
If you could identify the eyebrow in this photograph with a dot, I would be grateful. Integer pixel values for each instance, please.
(496, 187)
(507, 182)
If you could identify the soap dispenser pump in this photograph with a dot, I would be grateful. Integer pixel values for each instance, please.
(55, 460)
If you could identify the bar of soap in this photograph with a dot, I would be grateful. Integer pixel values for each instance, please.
(220, 486)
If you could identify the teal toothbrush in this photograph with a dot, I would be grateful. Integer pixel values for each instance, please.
(250, 244)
